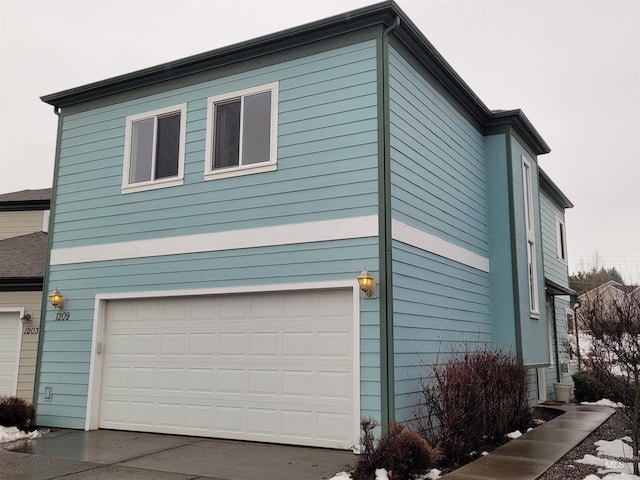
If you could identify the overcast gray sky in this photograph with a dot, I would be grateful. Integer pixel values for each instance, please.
(573, 66)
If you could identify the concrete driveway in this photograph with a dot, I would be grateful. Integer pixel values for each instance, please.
(108, 454)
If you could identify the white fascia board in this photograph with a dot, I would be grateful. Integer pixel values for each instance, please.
(430, 243)
(306, 232)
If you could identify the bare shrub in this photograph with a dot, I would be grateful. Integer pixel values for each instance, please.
(404, 454)
(16, 412)
(613, 325)
(473, 399)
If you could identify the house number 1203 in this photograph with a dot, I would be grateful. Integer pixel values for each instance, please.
(62, 316)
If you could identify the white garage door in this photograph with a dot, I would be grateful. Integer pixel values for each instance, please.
(272, 367)
(10, 331)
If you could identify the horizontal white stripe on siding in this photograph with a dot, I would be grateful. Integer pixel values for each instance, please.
(324, 230)
(430, 243)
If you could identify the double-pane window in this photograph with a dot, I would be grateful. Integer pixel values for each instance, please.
(241, 131)
(154, 147)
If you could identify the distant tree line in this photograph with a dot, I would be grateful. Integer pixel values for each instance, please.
(583, 281)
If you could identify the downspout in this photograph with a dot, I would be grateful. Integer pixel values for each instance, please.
(556, 352)
(387, 377)
(45, 280)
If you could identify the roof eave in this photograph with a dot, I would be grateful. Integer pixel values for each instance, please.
(521, 124)
(553, 190)
(384, 13)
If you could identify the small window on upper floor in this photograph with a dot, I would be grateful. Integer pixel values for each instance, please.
(242, 132)
(561, 240)
(154, 149)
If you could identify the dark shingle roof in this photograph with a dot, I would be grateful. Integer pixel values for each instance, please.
(26, 200)
(23, 256)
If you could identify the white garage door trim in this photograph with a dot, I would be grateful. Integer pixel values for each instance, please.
(96, 366)
(17, 314)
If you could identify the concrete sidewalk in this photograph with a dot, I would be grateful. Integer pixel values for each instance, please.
(528, 457)
(108, 454)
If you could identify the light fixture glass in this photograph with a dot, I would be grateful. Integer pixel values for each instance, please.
(365, 280)
(57, 299)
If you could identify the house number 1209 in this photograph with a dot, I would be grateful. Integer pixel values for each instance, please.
(62, 316)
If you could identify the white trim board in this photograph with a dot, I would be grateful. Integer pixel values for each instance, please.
(324, 230)
(288, 234)
(430, 243)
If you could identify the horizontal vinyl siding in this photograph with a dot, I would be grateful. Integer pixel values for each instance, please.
(439, 305)
(554, 268)
(438, 180)
(327, 158)
(14, 224)
(67, 345)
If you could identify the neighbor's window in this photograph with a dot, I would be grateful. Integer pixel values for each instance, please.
(154, 149)
(531, 236)
(561, 240)
(242, 132)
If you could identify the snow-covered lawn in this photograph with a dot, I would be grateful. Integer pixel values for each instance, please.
(11, 434)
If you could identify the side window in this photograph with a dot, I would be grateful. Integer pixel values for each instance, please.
(154, 149)
(242, 132)
(561, 240)
(531, 236)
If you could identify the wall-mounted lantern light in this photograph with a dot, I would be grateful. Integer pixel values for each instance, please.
(57, 299)
(365, 280)
(26, 318)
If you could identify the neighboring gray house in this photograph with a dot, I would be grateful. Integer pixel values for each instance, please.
(212, 216)
(24, 219)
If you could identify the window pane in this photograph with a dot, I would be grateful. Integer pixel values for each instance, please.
(227, 135)
(141, 150)
(255, 128)
(168, 146)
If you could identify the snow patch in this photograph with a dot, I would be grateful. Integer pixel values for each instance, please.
(516, 434)
(381, 474)
(11, 434)
(605, 402)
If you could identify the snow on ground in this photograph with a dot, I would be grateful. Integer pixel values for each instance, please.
(609, 455)
(11, 434)
(605, 402)
(381, 474)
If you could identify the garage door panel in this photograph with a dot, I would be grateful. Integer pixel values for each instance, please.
(271, 367)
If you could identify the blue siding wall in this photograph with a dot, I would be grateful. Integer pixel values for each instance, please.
(439, 306)
(534, 332)
(438, 186)
(327, 158)
(437, 152)
(327, 169)
(555, 268)
(502, 272)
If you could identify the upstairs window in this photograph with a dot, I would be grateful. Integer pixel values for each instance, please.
(527, 183)
(561, 240)
(242, 132)
(154, 149)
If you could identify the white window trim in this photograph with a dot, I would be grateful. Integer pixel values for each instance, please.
(527, 187)
(561, 240)
(212, 174)
(162, 182)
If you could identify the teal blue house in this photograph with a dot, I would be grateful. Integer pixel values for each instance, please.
(211, 217)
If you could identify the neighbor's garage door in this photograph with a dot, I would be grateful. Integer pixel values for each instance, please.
(10, 336)
(274, 367)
